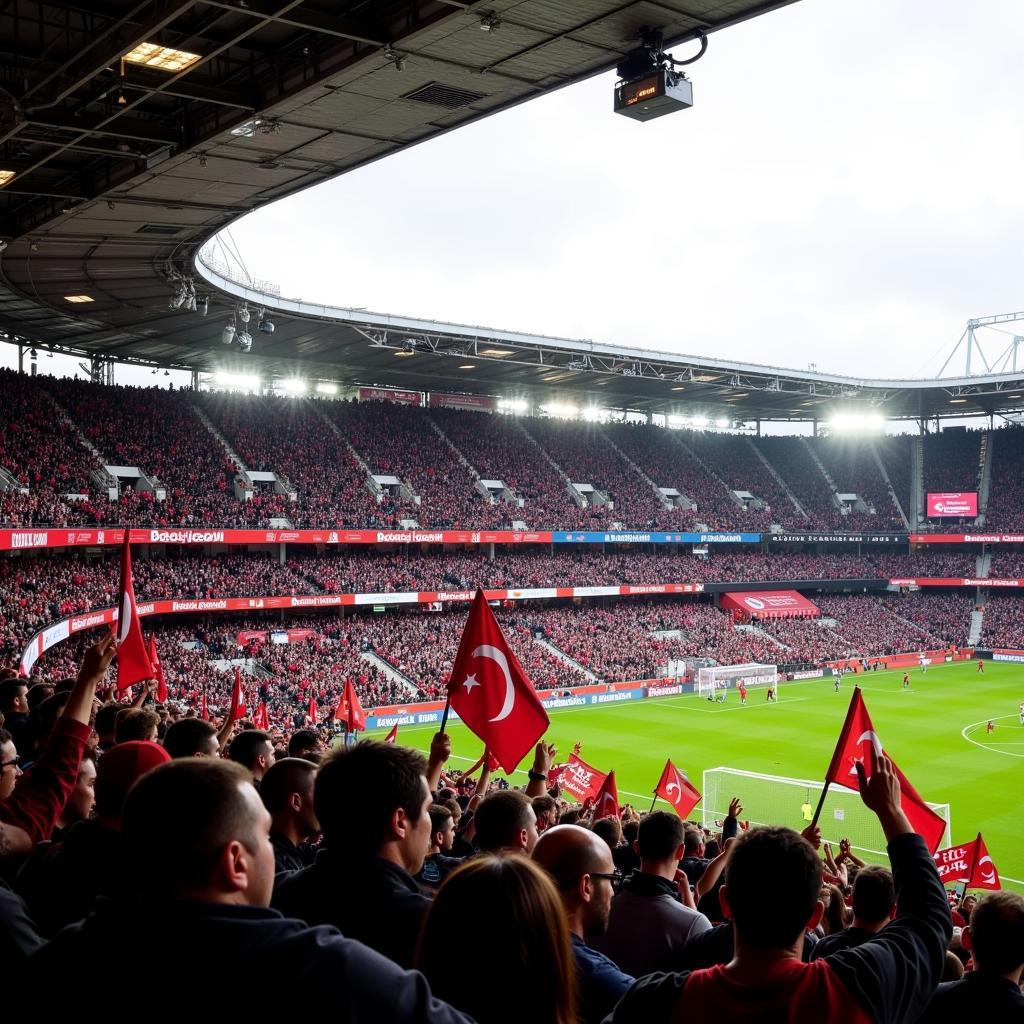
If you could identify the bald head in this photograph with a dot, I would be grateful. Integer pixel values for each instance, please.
(576, 858)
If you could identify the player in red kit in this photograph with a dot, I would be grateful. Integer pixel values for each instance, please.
(981, 666)
(906, 680)
(743, 693)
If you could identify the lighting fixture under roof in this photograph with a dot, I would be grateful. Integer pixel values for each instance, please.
(678, 389)
(467, 366)
(404, 354)
(79, 298)
(5, 177)
(957, 401)
(166, 58)
(496, 352)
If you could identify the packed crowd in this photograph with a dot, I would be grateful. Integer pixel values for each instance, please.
(1003, 624)
(150, 823)
(159, 431)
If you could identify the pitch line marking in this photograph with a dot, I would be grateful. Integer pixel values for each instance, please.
(985, 746)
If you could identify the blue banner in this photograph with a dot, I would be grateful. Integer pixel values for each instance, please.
(630, 537)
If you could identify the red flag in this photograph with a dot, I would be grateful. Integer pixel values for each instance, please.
(607, 803)
(855, 742)
(132, 660)
(349, 710)
(205, 714)
(238, 709)
(677, 789)
(392, 736)
(489, 690)
(158, 670)
(984, 875)
(260, 718)
(311, 713)
(578, 778)
(492, 761)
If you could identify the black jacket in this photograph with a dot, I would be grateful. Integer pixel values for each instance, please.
(373, 901)
(978, 996)
(18, 933)
(210, 959)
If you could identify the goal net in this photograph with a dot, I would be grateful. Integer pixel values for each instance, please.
(720, 677)
(776, 800)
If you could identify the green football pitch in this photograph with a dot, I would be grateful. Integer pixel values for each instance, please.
(936, 732)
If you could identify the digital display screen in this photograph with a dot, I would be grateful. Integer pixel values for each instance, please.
(953, 505)
(648, 88)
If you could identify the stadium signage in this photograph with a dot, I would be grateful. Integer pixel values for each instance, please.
(29, 540)
(944, 581)
(615, 698)
(565, 702)
(1017, 658)
(955, 505)
(624, 537)
(390, 395)
(815, 673)
(184, 537)
(195, 606)
(664, 691)
(410, 537)
(967, 538)
(462, 401)
(837, 538)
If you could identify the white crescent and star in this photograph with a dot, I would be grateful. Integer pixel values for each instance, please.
(987, 876)
(875, 742)
(498, 657)
(679, 792)
(126, 617)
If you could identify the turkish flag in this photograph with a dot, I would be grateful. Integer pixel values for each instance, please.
(607, 803)
(260, 718)
(349, 709)
(855, 742)
(311, 713)
(969, 863)
(238, 709)
(676, 788)
(158, 671)
(490, 692)
(392, 736)
(132, 660)
(492, 761)
(205, 713)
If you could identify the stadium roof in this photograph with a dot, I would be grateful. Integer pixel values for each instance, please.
(123, 169)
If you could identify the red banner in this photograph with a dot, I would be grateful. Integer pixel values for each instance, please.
(967, 538)
(390, 395)
(463, 402)
(580, 779)
(953, 505)
(11, 540)
(770, 604)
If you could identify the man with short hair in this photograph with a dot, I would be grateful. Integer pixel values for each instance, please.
(991, 992)
(10, 764)
(253, 749)
(14, 708)
(136, 724)
(653, 916)
(545, 809)
(582, 868)
(771, 894)
(287, 793)
(505, 821)
(439, 864)
(874, 906)
(304, 742)
(372, 802)
(200, 868)
(106, 719)
(191, 737)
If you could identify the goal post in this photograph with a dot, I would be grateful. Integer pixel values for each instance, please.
(777, 800)
(716, 678)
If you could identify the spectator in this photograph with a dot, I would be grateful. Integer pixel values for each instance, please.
(505, 821)
(545, 810)
(14, 708)
(528, 972)
(199, 871)
(81, 801)
(191, 737)
(991, 992)
(372, 802)
(772, 895)
(253, 749)
(136, 724)
(874, 906)
(287, 793)
(439, 863)
(583, 871)
(693, 862)
(305, 741)
(653, 916)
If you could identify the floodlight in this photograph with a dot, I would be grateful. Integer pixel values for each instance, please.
(227, 336)
(244, 341)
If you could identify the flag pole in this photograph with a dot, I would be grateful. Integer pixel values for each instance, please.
(821, 803)
(654, 801)
(444, 717)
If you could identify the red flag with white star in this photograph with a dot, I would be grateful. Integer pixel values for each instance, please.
(311, 713)
(349, 710)
(490, 692)
(260, 717)
(969, 863)
(132, 660)
(675, 788)
(238, 708)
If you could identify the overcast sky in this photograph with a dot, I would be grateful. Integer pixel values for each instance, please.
(845, 192)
